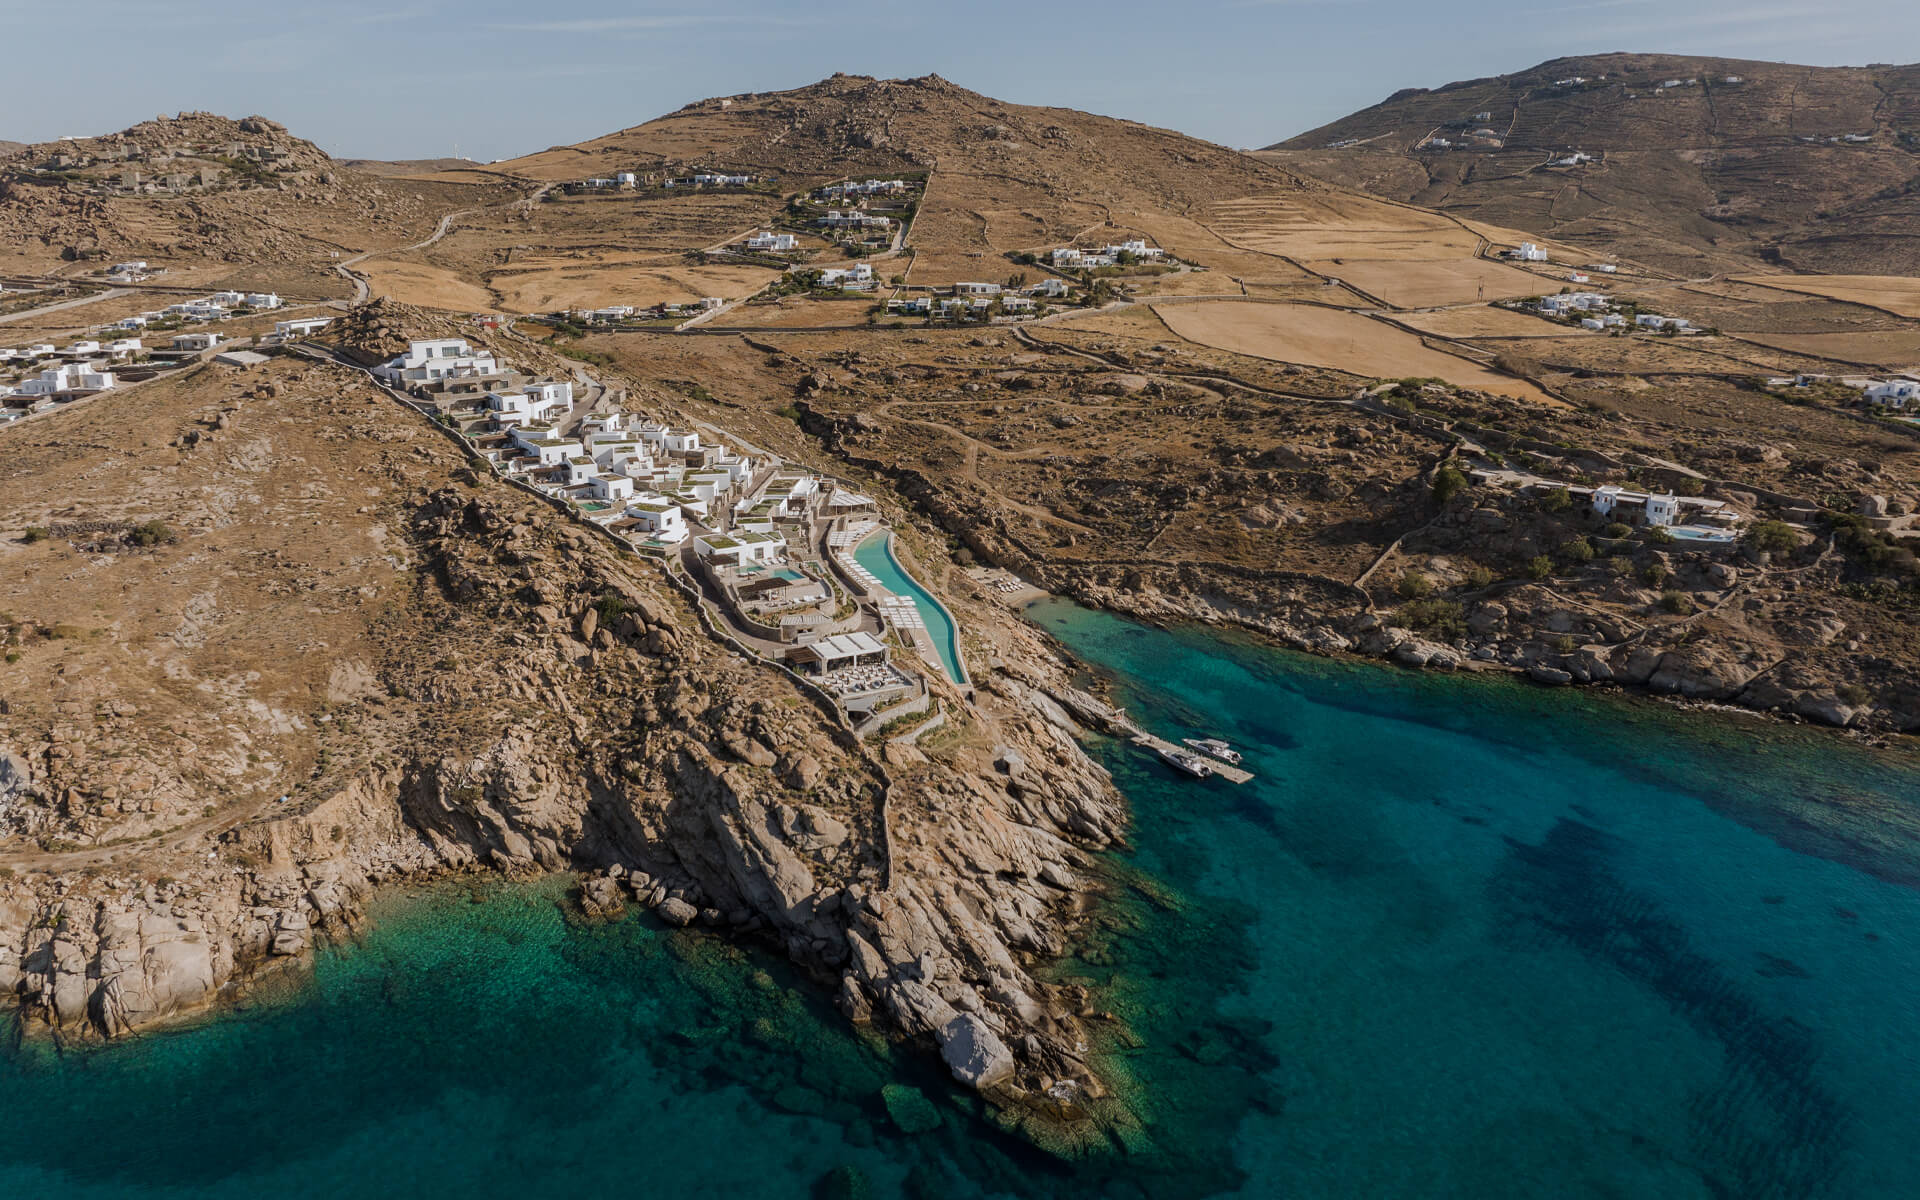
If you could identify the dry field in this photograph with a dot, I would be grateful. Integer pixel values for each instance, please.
(1322, 337)
(1897, 294)
(1898, 349)
(591, 286)
(1480, 322)
(1409, 259)
(1410, 283)
(1652, 355)
(799, 312)
(426, 285)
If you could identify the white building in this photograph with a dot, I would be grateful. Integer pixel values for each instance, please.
(1069, 259)
(857, 278)
(123, 348)
(768, 240)
(1654, 321)
(302, 327)
(426, 361)
(1051, 289)
(658, 518)
(1894, 393)
(1528, 252)
(262, 300)
(69, 380)
(741, 549)
(196, 341)
(835, 219)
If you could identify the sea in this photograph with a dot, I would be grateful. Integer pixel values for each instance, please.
(1460, 937)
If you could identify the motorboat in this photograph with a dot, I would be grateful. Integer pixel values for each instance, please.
(1214, 748)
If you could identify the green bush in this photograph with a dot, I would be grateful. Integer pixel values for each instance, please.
(36, 533)
(1448, 482)
(1658, 535)
(1539, 567)
(1855, 695)
(153, 533)
(1479, 577)
(1442, 618)
(1677, 603)
(1413, 585)
(1774, 537)
(1577, 550)
(1618, 530)
(1557, 501)
(1653, 574)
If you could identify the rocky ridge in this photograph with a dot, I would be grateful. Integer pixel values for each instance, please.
(592, 727)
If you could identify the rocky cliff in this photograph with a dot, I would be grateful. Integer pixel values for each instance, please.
(545, 702)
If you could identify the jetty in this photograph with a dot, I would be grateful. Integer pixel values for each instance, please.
(1116, 722)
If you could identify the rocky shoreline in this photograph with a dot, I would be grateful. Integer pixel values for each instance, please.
(920, 888)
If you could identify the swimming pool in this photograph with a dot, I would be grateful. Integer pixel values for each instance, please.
(1688, 533)
(876, 555)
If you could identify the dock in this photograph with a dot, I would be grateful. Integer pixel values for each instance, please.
(1110, 720)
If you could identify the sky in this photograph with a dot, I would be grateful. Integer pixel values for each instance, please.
(494, 79)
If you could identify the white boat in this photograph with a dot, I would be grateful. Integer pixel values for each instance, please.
(1182, 760)
(1215, 748)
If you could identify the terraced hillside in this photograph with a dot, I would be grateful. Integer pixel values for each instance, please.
(1697, 163)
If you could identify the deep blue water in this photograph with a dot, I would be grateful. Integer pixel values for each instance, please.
(1460, 938)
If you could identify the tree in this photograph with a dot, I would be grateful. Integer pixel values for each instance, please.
(1449, 481)
(1558, 500)
(1577, 550)
(1774, 537)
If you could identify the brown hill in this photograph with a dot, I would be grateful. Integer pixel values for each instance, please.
(1001, 181)
(1814, 168)
(206, 189)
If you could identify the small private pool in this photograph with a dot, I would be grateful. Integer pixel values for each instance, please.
(1690, 533)
(876, 555)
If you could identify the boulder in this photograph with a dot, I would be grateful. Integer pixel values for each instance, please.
(676, 912)
(974, 1053)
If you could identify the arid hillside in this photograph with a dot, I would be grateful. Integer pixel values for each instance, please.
(1696, 163)
(199, 189)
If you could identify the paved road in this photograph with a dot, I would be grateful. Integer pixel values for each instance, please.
(109, 294)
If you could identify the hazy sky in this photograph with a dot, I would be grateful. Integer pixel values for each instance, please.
(497, 78)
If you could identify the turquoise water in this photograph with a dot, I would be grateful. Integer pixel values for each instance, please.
(1459, 939)
(876, 555)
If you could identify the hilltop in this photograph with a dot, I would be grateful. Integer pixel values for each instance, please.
(1698, 163)
(202, 188)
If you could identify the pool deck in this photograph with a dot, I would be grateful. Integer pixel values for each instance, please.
(914, 627)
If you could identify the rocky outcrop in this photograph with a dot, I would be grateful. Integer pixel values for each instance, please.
(703, 787)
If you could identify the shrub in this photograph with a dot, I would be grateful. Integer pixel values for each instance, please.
(1442, 618)
(1855, 695)
(1565, 643)
(1539, 567)
(1616, 530)
(1620, 565)
(36, 533)
(1448, 482)
(1557, 501)
(1774, 537)
(1653, 574)
(1413, 585)
(1479, 577)
(1677, 603)
(153, 533)
(1658, 535)
(611, 606)
(1577, 550)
